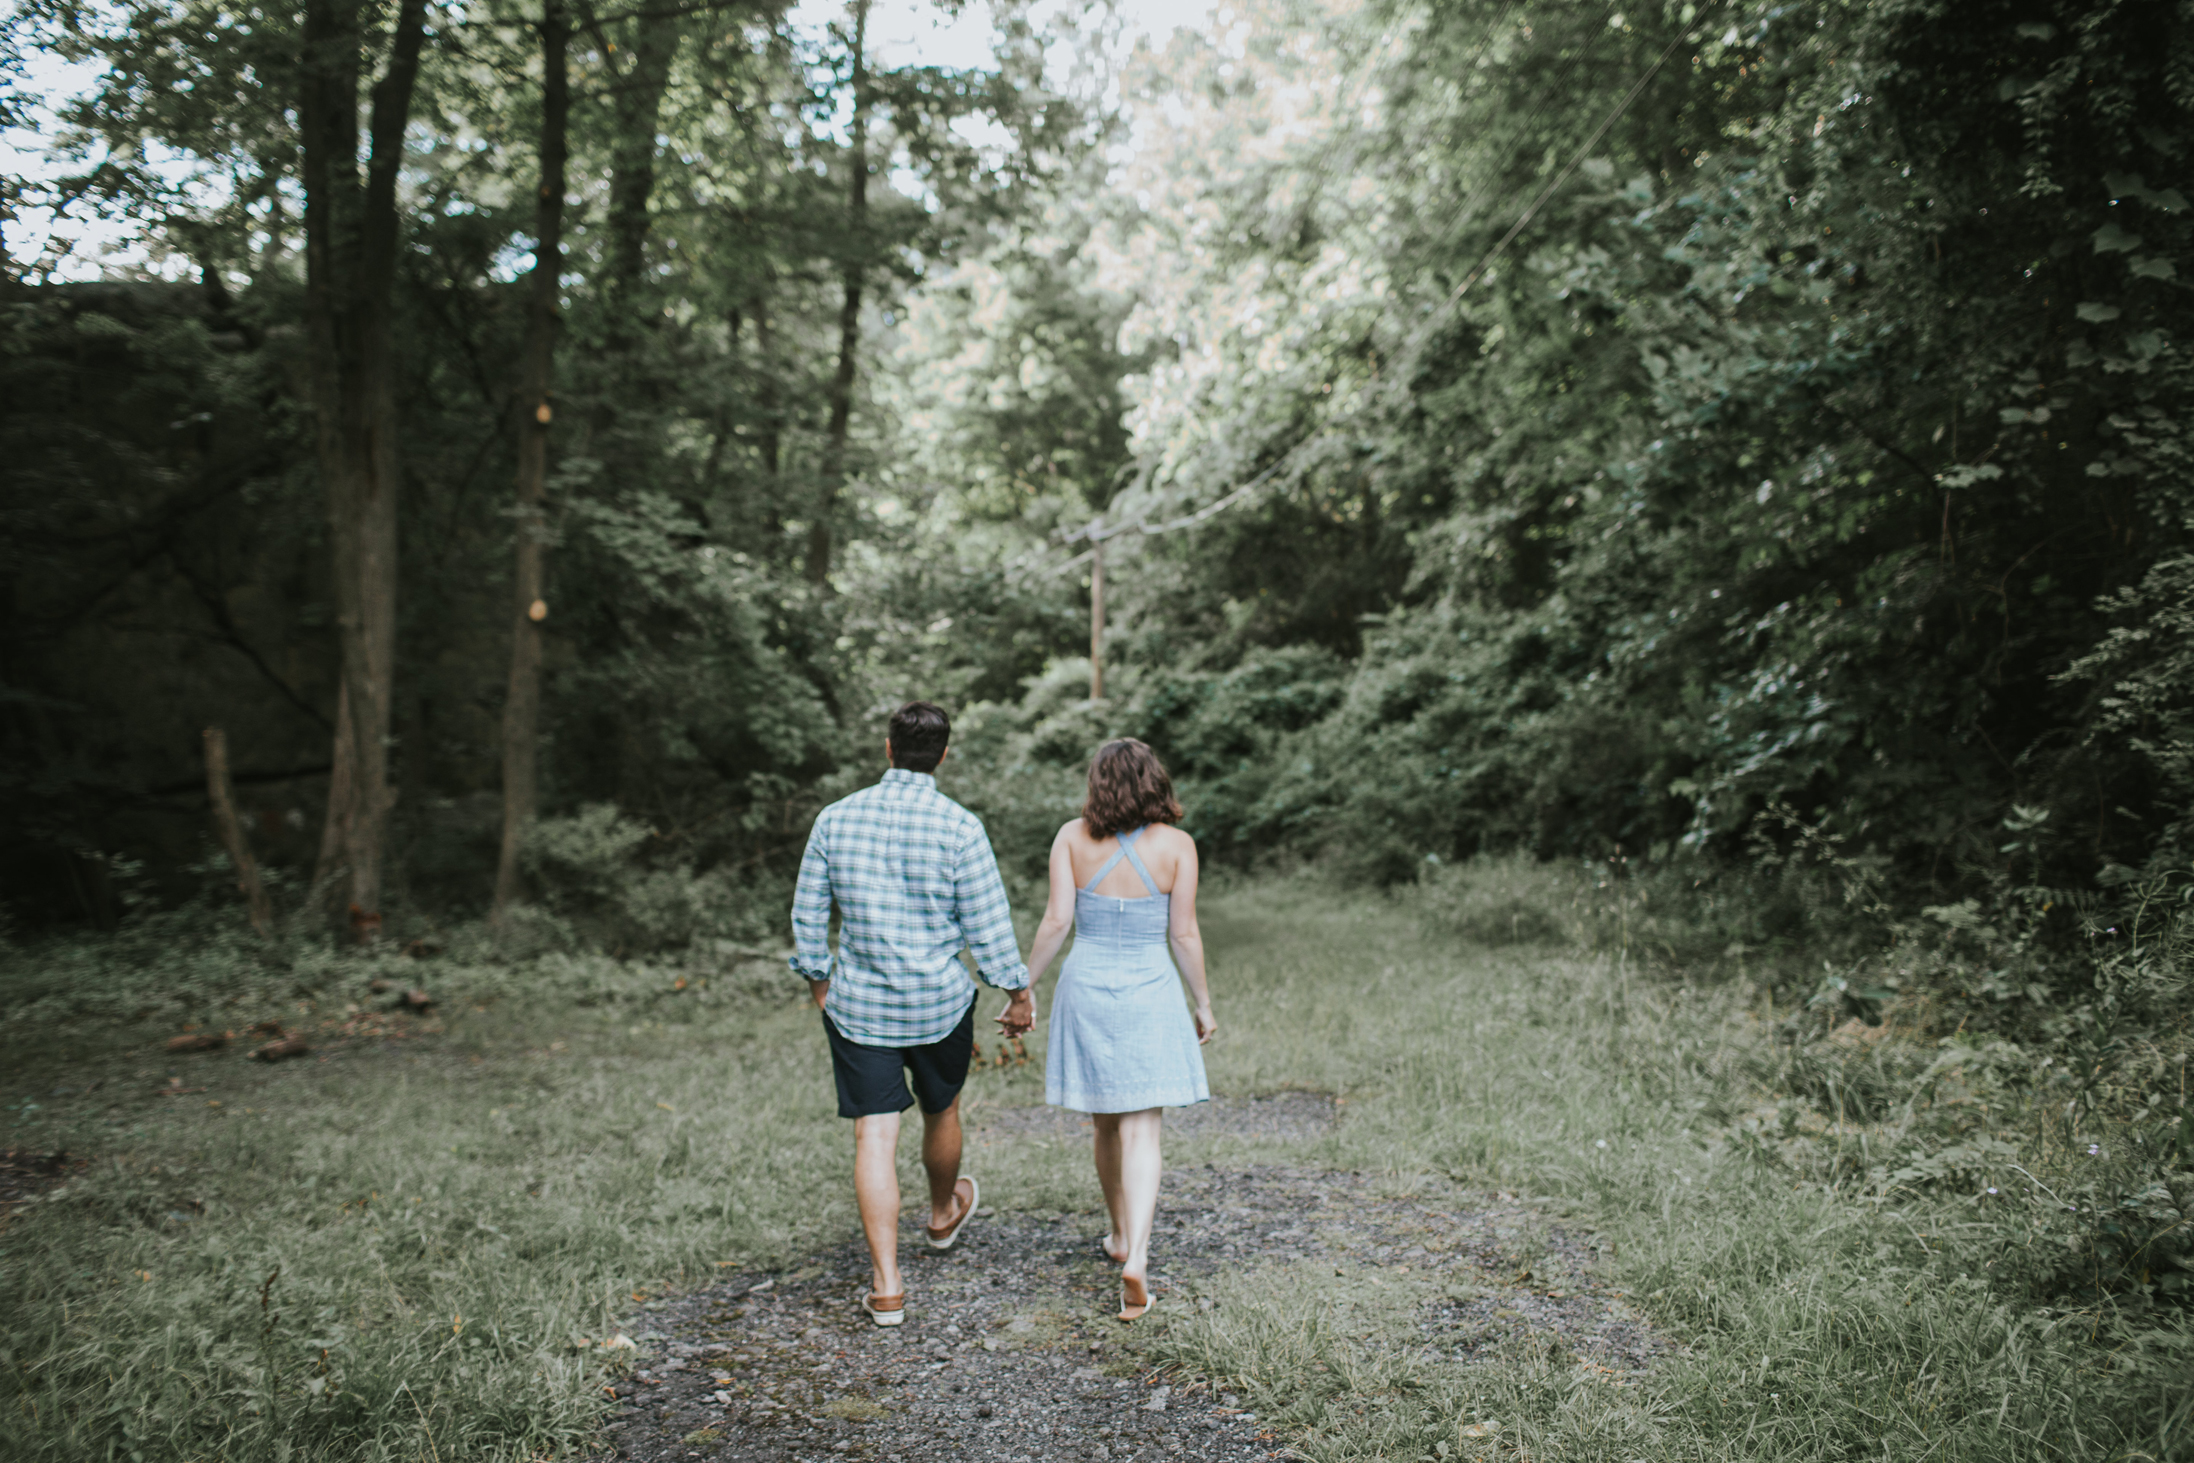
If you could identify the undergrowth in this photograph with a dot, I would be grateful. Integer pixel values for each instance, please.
(1855, 1236)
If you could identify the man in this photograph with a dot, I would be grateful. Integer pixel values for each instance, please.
(915, 883)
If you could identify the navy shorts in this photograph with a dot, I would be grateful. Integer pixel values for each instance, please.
(872, 1080)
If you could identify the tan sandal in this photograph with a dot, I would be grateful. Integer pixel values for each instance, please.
(1132, 1309)
(944, 1239)
(885, 1310)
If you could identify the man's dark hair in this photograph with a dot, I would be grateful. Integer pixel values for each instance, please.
(919, 731)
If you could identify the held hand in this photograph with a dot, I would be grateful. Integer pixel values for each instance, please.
(1206, 1024)
(820, 990)
(1019, 1015)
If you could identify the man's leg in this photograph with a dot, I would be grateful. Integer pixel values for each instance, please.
(941, 1157)
(937, 1072)
(876, 1187)
(872, 1091)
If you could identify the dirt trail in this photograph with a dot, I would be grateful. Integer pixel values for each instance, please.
(1009, 1354)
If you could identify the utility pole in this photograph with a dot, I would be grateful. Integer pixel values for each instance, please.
(1097, 533)
(1096, 610)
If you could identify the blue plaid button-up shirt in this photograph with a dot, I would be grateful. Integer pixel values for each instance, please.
(915, 883)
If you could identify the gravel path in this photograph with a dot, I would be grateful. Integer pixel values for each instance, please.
(1009, 1354)
(1287, 1117)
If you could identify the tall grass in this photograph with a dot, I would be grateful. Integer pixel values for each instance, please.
(414, 1248)
(402, 1248)
(1822, 1312)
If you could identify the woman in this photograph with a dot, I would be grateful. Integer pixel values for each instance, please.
(1123, 1044)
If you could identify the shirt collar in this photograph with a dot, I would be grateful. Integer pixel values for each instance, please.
(917, 779)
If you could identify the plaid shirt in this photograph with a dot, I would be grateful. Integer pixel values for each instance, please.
(915, 882)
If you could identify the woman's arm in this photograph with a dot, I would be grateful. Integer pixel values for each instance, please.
(1051, 932)
(1188, 940)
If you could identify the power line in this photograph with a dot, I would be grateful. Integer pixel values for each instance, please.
(1547, 96)
(1096, 533)
(1562, 177)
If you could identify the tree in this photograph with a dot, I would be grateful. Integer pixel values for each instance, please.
(522, 705)
(352, 232)
(852, 270)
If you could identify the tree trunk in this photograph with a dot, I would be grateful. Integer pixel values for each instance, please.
(231, 830)
(522, 706)
(351, 236)
(638, 96)
(849, 313)
(765, 348)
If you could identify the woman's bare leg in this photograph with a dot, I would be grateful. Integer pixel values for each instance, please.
(1136, 1179)
(1107, 1125)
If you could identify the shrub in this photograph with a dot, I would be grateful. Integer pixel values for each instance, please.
(603, 884)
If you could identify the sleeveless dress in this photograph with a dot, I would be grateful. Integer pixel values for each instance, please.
(1121, 1036)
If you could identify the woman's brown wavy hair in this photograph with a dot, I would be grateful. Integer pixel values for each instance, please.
(1128, 788)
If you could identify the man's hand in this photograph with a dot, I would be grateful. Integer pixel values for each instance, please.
(820, 989)
(1019, 1014)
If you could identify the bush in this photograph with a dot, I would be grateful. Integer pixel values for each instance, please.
(603, 884)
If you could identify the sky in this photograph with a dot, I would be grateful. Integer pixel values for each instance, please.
(902, 32)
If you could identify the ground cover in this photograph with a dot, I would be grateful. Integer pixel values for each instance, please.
(427, 1238)
(1008, 1352)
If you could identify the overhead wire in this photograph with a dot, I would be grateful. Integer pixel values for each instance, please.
(1094, 533)
(1319, 167)
(1562, 177)
(1492, 182)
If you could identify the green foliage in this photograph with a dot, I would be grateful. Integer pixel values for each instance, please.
(2030, 1068)
(601, 889)
(1727, 553)
(1793, 452)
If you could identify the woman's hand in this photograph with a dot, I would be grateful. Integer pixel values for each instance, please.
(1019, 1014)
(1205, 1023)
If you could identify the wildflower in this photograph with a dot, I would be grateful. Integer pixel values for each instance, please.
(1992, 1188)
(2094, 1150)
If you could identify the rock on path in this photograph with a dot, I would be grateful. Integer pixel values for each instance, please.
(1009, 1353)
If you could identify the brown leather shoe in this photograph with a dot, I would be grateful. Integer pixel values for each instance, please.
(944, 1239)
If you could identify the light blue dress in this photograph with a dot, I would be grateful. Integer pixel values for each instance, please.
(1121, 1036)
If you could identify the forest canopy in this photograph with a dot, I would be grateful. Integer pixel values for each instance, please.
(548, 435)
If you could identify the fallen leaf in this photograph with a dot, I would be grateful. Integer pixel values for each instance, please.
(288, 1046)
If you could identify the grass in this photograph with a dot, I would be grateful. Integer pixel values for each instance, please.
(413, 1249)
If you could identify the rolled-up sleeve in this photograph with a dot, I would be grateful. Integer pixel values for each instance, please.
(811, 908)
(986, 922)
